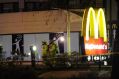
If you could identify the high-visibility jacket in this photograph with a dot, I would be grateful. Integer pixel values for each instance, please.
(53, 49)
(44, 49)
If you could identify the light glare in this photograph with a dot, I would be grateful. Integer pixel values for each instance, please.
(34, 48)
(62, 39)
(29, 53)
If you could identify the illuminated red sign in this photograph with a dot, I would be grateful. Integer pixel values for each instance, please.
(94, 31)
(95, 46)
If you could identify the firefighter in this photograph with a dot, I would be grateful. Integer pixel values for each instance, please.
(44, 48)
(53, 49)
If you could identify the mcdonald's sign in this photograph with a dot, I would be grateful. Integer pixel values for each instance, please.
(94, 31)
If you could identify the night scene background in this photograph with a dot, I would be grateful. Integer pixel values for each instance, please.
(43, 39)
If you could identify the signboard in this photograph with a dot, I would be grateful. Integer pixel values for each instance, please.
(94, 32)
(95, 46)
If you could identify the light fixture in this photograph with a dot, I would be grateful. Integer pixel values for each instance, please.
(62, 39)
(29, 53)
(34, 48)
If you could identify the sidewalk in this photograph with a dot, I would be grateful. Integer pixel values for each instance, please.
(76, 74)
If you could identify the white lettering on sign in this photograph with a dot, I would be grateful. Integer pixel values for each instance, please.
(95, 46)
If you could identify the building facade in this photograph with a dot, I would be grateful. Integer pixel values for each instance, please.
(37, 19)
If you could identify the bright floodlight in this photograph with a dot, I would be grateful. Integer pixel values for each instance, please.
(29, 53)
(62, 39)
(34, 48)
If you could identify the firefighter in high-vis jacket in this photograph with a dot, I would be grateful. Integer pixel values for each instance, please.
(53, 49)
(44, 49)
(45, 52)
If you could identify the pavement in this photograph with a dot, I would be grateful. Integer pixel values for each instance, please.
(76, 74)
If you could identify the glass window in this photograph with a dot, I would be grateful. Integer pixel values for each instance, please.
(1, 8)
(9, 7)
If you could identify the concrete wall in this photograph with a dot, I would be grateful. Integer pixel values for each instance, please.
(6, 42)
(74, 42)
(38, 21)
(6, 1)
(113, 10)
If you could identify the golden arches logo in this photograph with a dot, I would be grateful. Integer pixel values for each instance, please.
(94, 24)
(94, 31)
